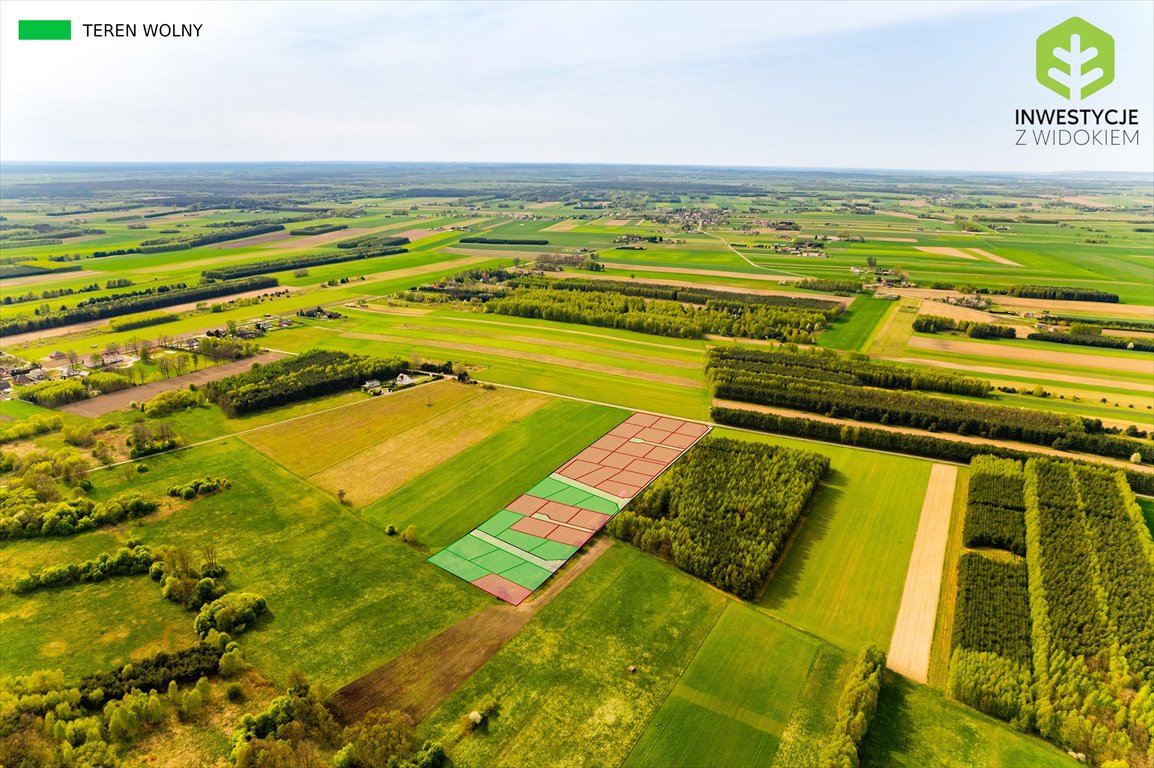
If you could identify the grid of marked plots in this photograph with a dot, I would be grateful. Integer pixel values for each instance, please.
(521, 546)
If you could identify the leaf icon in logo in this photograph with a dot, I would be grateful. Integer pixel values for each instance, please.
(1075, 59)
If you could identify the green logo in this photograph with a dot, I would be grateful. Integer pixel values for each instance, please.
(1075, 59)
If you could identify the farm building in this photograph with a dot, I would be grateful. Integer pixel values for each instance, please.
(403, 380)
(371, 384)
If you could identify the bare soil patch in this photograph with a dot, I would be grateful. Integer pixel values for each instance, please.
(446, 266)
(563, 226)
(421, 679)
(995, 257)
(900, 215)
(539, 358)
(1088, 381)
(954, 312)
(1056, 306)
(614, 222)
(913, 636)
(115, 401)
(939, 251)
(494, 253)
(16, 282)
(1128, 334)
(1013, 351)
(310, 241)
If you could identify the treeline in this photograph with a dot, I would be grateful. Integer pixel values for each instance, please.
(133, 304)
(373, 241)
(1088, 340)
(855, 711)
(724, 510)
(296, 262)
(830, 286)
(661, 317)
(936, 324)
(827, 365)
(1112, 323)
(318, 229)
(312, 373)
(141, 321)
(30, 427)
(1062, 293)
(926, 445)
(503, 241)
(127, 561)
(910, 409)
(702, 296)
(209, 239)
(9, 271)
(23, 515)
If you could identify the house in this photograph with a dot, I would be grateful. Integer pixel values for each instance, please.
(403, 380)
(20, 380)
(371, 384)
(38, 374)
(57, 355)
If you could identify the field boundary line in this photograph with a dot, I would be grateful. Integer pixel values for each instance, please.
(747, 260)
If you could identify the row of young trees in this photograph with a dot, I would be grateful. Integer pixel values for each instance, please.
(661, 317)
(318, 229)
(724, 510)
(996, 505)
(312, 373)
(972, 329)
(163, 246)
(504, 241)
(911, 409)
(126, 561)
(128, 305)
(855, 711)
(1088, 340)
(230, 272)
(993, 607)
(925, 445)
(1062, 293)
(855, 369)
(31, 427)
(682, 294)
(373, 241)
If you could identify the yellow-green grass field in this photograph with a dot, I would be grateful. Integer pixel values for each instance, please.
(451, 499)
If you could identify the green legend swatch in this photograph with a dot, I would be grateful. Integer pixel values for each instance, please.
(32, 29)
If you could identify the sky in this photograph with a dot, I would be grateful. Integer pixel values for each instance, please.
(903, 85)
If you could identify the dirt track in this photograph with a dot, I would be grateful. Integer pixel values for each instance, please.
(51, 277)
(115, 401)
(418, 681)
(1036, 305)
(909, 652)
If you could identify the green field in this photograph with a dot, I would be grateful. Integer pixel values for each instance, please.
(563, 686)
(855, 329)
(733, 702)
(843, 575)
(334, 580)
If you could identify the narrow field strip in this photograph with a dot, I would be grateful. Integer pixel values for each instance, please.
(516, 550)
(913, 636)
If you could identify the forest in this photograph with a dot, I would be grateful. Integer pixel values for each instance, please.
(296, 262)
(724, 510)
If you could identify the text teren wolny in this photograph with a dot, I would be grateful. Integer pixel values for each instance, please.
(142, 30)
